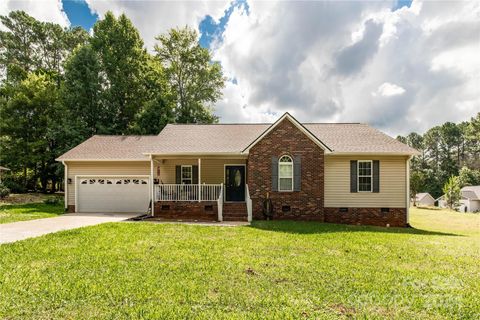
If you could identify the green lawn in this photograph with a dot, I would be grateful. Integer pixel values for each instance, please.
(29, 211)
(273, 269)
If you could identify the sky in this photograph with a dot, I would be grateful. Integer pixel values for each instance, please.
(400, 66)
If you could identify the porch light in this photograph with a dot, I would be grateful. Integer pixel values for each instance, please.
(69, 180)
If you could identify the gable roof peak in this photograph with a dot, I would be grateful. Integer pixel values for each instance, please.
(297, 124)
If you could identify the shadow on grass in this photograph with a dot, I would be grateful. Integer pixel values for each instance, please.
(298, 227)
(430, 208)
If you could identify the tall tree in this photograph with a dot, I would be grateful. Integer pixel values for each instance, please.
(416, 141)
(81, 94)
(417, 182)
(195, 80)
(158, 109)
(28, 45)
(26, 129)
(469, 177)
(122, 59)
(472, 140)
(451, 191)
(17, 46)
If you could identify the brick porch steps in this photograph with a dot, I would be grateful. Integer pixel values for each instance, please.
(235, 211)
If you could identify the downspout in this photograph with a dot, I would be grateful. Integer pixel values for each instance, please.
(65, 181)
(407, 187)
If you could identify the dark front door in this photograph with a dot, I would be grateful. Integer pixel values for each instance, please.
(234, 183)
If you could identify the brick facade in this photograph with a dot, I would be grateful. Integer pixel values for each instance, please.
(396, 217)
(186, 210)
(306, 204)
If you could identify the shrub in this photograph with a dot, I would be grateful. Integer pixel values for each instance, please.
(52, 200)
(15, 186)
(4, 191)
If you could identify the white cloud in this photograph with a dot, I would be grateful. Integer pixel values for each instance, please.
(43, 10)
(388, 89)
(155, 17)
(322, 62)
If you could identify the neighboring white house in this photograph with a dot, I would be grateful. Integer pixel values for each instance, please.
(424, 199)
(470, 201)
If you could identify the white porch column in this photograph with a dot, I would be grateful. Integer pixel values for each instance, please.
(199, 179)
(152, 186)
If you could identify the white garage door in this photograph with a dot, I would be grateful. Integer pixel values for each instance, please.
(118, 194)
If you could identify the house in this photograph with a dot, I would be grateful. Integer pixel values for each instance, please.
(424, 199)
(340, 173)
(469, 202)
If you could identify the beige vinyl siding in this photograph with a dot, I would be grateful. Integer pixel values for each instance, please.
(212, 170)
(392, 183)
(103, 168)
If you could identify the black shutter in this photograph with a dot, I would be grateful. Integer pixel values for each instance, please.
(178, 174)
(376, 176)
(353, 175)
(297, 173)
(195, 174)
(274, 173)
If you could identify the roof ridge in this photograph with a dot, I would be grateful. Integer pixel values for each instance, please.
(218, 124)
(257, 123)
(125, 135)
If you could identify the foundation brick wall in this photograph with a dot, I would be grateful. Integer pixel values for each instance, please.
(306, 204)
(187, 210)
(396, 217)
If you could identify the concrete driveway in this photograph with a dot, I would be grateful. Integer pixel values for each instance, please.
(15, 231)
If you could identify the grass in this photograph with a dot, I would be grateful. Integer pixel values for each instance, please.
(271, 269)
(28, 211)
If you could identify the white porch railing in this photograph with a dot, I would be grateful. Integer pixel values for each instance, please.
(188, 192)
(248, 201)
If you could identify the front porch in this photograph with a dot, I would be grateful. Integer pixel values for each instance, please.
(202, 188)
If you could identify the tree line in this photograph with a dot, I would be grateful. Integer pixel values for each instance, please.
(449, 157)
(59, 86)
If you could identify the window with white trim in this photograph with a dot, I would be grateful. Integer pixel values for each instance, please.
(186, 175)
(364, 175)
(285, 173)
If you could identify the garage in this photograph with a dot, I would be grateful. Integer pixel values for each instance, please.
(112, 194)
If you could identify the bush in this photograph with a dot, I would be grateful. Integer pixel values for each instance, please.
(14, 186)
(52, 200)
(4, 191)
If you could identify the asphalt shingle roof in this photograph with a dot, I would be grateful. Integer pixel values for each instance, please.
(111, 148)
(471, 192)
(230, 138)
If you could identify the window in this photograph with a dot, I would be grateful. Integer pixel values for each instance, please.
(186, 177)
(285, 174)
(364, 176)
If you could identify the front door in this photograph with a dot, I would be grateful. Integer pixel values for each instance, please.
(234, 183)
